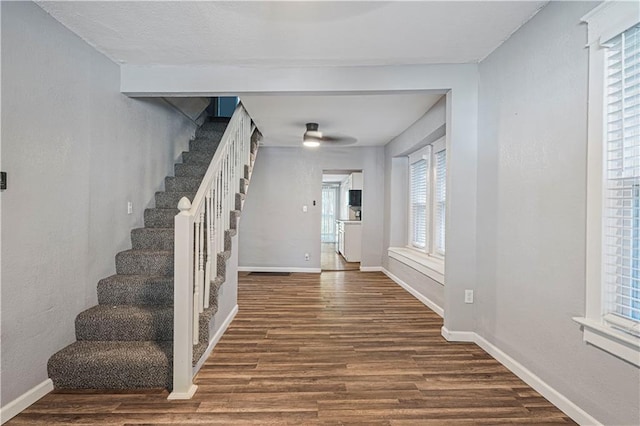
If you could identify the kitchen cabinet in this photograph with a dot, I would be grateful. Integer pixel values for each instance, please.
(350, 239)
(354, 181)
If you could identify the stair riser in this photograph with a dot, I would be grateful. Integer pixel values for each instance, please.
(211, 130)
(160, 218)
(234, 216)
(158, 326)
(129, 263)
(152, 239)
(239, 201)
(119, 291)
(206, 145)
(182, 184)
(170, 200)
(196, 157)
(196, 170)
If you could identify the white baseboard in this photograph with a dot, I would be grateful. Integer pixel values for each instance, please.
(279, 269)
(215, 339)
(415, 293)
(543, 388)
(22, 402)
(371, 269)
(458, 336)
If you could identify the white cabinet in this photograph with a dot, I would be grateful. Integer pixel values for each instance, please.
(350, 240)
(356, 181)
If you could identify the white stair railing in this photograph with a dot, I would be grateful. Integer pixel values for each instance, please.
(199, 238)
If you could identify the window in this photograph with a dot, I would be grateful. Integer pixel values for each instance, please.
(612, 319)
(427, 199)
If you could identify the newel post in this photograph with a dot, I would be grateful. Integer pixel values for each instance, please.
(183, 387)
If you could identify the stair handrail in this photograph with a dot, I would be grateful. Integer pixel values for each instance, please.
(199, 237)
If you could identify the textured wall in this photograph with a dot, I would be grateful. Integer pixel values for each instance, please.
(274, 232)
(531, 213)
(76, 150)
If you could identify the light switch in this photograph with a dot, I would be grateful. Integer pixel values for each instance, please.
(304, 209)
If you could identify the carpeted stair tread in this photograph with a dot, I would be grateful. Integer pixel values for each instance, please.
(170, 200)
(184, 169)
(122, 289)
(152, 239)
(145, 262)
(181, 184)
(112, 365)
(240, 198)
(125, 322)
(160, 218)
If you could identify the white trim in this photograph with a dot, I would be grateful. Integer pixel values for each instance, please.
(618, 343)
(279, 269)
(22, 402)
(183, 395)
(609, 19)
(371, 269)
(421, 262)
(457, 336)
(529, 377)
(555, 397)
(215, 339)
(604, 22)
(415, 293)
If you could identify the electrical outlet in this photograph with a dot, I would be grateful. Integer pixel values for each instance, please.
(129, 207)
(306, 256)
(468, 296)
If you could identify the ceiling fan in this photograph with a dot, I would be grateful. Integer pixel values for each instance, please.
(313, 137)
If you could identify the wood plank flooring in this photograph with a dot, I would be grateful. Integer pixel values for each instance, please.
(331, 348)
(332, 261)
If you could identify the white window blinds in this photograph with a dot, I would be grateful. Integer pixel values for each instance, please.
(440, 200)
(622, 183)
(418, 203)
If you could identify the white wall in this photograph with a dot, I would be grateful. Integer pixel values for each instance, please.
(275, 233)
(531, 213)
(75, 150)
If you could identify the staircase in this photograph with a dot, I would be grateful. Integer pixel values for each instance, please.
(126, 341)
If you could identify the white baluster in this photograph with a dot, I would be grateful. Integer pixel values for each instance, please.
(207, 267)
(201, 246)
(196, 287)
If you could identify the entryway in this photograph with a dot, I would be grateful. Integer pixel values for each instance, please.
(341, 227)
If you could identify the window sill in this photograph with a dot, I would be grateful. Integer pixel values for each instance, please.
(607, 338)
(421, 262)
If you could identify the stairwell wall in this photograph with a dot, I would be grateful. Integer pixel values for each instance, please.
(76, 150)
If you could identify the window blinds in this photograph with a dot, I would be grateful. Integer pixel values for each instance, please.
(418, 202)
(440, 200)
(622, 172)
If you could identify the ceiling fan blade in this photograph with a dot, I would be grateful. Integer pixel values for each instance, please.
(339, 140)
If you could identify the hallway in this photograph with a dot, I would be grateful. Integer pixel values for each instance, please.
(324, 349)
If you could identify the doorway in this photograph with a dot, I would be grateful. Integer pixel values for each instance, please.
(336, 216)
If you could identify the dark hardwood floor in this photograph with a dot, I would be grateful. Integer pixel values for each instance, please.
(332, 348)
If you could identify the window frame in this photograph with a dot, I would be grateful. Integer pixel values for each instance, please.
(605, 22)
(427, 152)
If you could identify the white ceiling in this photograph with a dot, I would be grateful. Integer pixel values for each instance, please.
(371, 119)
(302, 34)
(307, 33)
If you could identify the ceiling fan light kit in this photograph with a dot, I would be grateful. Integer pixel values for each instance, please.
(313, 137)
